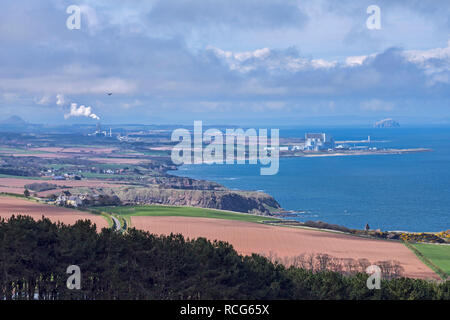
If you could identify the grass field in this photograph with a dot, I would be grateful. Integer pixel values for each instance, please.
(158, 211)
(156, 153)
(23, 177)
(21, 151)
(437, 254)
(90, 175)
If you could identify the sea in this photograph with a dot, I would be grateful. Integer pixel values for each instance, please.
(407, 192)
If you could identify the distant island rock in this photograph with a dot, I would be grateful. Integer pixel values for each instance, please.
(386, 123)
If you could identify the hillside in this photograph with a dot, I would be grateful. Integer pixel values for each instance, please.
(13, 121)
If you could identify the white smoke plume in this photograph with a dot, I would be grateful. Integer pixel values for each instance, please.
(80, 111)
(60, 101)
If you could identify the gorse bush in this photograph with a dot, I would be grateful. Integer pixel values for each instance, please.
(34, 256)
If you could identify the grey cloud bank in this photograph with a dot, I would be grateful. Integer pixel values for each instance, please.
(187, 60)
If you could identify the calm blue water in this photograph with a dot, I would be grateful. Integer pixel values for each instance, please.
(391, 192)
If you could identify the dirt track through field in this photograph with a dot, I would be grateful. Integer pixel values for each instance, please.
(247, 238)
(14, 206)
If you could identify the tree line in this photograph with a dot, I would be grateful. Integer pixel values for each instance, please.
(34, 256)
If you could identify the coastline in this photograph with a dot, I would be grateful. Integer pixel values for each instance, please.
(292, 210)
(310, 154)
(362, 153)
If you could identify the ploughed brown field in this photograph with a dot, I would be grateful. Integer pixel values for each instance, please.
(89, 153)
(15, 185)
(285, 242)
(75, 150)
(14, 206)
(82, 156)
(42, 155)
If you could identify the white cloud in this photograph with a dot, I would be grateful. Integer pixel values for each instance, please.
(435, 63)
(44, 100)
(321, 63)
(258, 53)
(10, 96)
(80, 111)
(68, 85)
(91, 18)
(270, 60)
(422, 56)
(355, 60)
(377, 105)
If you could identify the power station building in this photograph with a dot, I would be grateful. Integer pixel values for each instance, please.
(318, 141)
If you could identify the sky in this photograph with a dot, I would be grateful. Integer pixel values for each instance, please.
(225, 61)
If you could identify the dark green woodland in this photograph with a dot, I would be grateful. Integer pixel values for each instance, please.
(34, 256)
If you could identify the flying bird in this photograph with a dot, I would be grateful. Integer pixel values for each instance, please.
(109, 93)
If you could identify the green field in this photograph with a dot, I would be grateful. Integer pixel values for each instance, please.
(21, 151)
(59, 166)
(439, 255)
(154, 210)
(23, 177)
(156, 153)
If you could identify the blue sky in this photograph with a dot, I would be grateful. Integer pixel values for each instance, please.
(229, 61)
